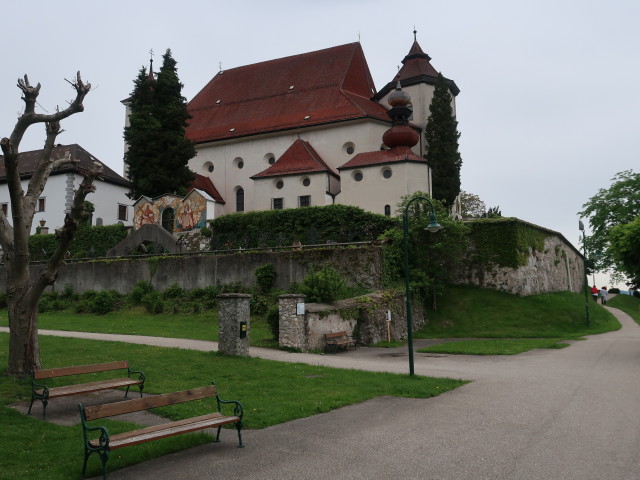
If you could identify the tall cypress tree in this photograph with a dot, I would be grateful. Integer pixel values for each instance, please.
(158, 150)
(442, 145)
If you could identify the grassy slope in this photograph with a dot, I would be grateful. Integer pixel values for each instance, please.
(628, 304)
(470, 312)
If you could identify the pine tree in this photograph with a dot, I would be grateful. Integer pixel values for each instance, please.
(158, 150)
(442, 145)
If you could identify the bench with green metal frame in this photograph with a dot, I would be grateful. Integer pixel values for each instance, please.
(44, 392)
(104, 443)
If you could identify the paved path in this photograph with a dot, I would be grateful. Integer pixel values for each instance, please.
(545, 414)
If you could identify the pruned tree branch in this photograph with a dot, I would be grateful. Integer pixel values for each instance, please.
(66, 233)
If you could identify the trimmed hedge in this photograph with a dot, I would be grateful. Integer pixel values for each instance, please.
(309, 226)
(100, 239)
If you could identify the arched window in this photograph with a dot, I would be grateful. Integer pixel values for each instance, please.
(240, 200)
(387, 210)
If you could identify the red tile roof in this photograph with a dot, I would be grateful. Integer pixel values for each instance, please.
(206, 185)
(393, 155)
(299, 158)
(313, 88)
(29, 160)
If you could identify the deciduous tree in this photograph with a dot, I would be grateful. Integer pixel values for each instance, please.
(158, 150)
(617, 205)
(442, 145)
(472, 206)
(25, 286)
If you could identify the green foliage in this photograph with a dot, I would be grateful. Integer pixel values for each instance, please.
(311, 225)
(505, 242)
(273, 319)
(617, 205)
(442, 136)
(88, 242)
(323, 285)
(153, 302)
(158, 150)
(93, 302)
(625, 249)
(472, 206)
(265, 277)
(494, 212)
(140, 289)
(430, 254)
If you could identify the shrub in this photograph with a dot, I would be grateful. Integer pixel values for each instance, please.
(324, 285)
(614, 290)
(636, 293)
(273, 319)
(174, 292)
(265, 277)
(105, 301)
(153, 302)
(140, 289)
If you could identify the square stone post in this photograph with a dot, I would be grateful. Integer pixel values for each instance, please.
(233, 325)
(293, 324)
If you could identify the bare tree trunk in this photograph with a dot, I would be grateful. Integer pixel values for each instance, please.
(23, 291)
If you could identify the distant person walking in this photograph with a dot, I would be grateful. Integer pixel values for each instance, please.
(594, 293)
(603, 295)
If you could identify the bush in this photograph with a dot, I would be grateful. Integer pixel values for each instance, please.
(265, 277)
(614, 290)
(153, 302)
(636, 293)
(140, 289)
(273, 319)
(324, 285)
(105, 301)
(174, 292)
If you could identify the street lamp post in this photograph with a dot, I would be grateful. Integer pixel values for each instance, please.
(433, 227)
(586, 278)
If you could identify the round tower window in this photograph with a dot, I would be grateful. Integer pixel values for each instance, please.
(386, 173)
(306, 182)
(357, 176)
(279, 184)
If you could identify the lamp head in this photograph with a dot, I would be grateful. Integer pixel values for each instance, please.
(433, 226)
(581, 225)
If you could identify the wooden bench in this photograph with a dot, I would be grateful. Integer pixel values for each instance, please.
(44, 393)
(337, 340)
(103, 444)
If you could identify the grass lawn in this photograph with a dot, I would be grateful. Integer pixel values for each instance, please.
(136, 321)
(543, 320)
(628, 304)
(497, 346)
(271, 393)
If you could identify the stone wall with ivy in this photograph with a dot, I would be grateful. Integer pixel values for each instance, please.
(517, 257)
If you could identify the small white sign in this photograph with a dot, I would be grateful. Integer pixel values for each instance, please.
(300, 309)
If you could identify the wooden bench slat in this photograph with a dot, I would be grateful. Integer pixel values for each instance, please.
(89, 387)
(167, 430)
(118, 408)
(79, 369)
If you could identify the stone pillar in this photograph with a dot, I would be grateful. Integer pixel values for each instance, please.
(233, 325)
(293, 323)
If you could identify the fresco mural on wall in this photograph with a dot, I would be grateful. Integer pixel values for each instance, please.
(188, 213)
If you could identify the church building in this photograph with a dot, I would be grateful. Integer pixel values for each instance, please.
(312, 130)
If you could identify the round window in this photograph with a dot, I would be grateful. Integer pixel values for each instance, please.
(240, 164)
(386, 173)
(210, 168)
(306, 182)
(350, 150)
(279, 184)
(357, 176)
(272, 160)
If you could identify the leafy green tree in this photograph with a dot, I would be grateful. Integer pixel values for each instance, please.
(617, 205)
(158, 150)
(494, 212)
(442, 145)
(430, 254)
(472, 206)
(625, 249)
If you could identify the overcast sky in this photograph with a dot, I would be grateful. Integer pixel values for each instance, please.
(550, 91)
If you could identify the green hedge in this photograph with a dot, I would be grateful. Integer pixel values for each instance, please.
(100, 239)
(309, 225)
